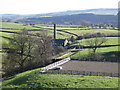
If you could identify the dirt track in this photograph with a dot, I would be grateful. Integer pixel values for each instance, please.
(91, 66)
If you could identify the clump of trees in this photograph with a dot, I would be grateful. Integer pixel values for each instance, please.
(85, 23)
(25, 52)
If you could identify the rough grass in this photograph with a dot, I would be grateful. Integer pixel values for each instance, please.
(34, 79)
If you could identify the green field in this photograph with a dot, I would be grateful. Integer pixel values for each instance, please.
(86, 52)
(16, 26)
(62, 33)
(32, 29)
(91, 31)
(109, 41)
(35, 80)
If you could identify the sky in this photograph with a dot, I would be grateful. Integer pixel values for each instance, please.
(47, 6)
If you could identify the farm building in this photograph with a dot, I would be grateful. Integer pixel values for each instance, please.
(60, 42)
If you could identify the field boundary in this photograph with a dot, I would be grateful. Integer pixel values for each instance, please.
(83, 73)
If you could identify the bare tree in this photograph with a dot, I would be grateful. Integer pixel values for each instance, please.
(96, 41)
(26, 51)
(20, 48)
(43, 48)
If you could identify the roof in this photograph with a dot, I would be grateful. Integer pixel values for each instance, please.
(59, 42)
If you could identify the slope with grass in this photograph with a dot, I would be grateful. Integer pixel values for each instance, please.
(35, 80)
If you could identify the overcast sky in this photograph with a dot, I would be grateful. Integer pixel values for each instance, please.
(46, 6)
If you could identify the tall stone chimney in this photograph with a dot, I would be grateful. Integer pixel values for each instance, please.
(54, 31)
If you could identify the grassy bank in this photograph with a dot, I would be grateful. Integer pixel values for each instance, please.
(36, 80)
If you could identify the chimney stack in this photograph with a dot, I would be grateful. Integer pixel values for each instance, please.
(54, 31)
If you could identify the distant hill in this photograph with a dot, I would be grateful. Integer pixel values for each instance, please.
(73, 16)
(74, 19)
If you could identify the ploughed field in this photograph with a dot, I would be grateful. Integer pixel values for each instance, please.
(91, 66)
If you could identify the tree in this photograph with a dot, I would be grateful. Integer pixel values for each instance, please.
(26, 51)
(96, 41)
(20, 49)
(85, 23)
(43, 48)
(72, 39)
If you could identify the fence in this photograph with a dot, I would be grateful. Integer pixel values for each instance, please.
(101, 60)
(55, 64)
(83, 73)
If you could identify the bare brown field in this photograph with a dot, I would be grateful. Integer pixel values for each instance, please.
(91, 66)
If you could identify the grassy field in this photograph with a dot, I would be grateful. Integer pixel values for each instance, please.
(86, 52)
(100, 50)
(16, 26)
(34, 79)
(32, 29)
(109, 41)
(62, 33)
(91, 31)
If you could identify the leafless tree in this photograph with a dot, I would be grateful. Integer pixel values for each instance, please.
(25, 50)
(20, 49)
(43, 48)
(96, 41)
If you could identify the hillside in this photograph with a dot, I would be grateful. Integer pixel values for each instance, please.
(74, 19)
(33, 79)
(71, 16)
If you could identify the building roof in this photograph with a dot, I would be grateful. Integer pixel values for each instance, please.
(59, 42)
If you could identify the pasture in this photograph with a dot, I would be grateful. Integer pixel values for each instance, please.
(34, 80)
(64, 32)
